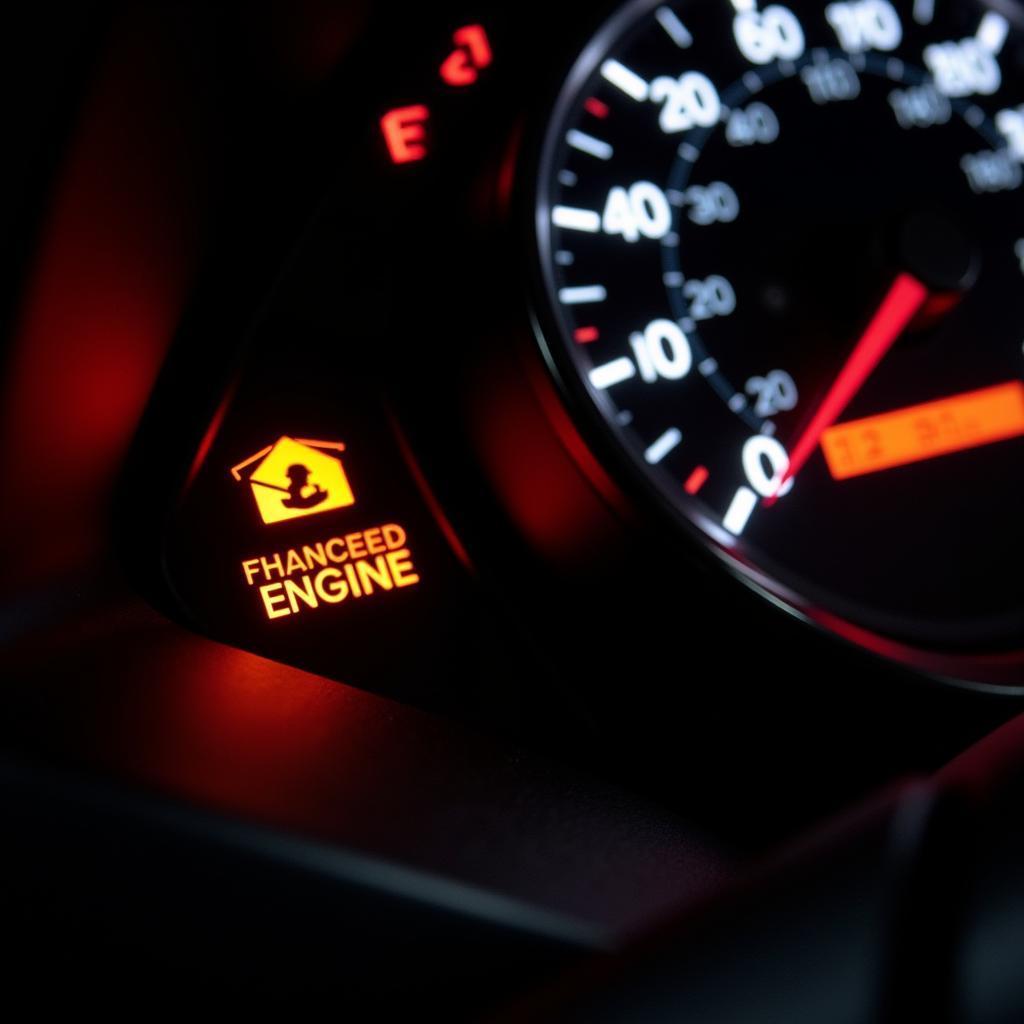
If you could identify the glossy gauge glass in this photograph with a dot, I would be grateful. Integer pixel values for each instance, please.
(783, 248)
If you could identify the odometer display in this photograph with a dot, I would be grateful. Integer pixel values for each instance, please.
(783, 247)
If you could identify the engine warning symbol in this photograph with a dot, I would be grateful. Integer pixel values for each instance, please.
(295, 478)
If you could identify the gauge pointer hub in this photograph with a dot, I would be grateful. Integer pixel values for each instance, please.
(939, 254)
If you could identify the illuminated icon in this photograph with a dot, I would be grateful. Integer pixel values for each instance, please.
(471, 55)
(405, 133)
(292, 479)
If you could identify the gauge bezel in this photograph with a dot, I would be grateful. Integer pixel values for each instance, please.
(999, 672)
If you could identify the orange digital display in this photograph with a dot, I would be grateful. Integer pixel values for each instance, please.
(925, 431)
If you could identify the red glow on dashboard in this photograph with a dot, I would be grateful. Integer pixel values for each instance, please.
(309, 38)
(586, 335)
(405, 133)
(471, 55)
(555, 490)
(430, 499)
(597, 108)
(110, 273)
(203, 451)
(231, 728)
(506, 177)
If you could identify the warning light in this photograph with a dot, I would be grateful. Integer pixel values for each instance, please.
(405, 133)
(336, 571)
(291, 479)
(925, 431)
(471, 55)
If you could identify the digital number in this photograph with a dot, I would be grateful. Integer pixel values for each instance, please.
(712, 297)
(775, 392)
(874, 448)
(941, 428)
(751, 125)
(868, 449)
(642, 210)
(716, 203)
(865, 25)
(769, 35)
(662, 351)
(689, 101)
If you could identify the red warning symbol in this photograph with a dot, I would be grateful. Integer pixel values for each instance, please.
(471, 55)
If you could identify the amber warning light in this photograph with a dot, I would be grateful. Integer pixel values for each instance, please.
(293, 479)
(332, 572)
(925, 431)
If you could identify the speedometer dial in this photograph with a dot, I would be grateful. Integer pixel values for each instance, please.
(783, 249)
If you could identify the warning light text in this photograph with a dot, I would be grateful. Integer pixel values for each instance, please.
(349, 567)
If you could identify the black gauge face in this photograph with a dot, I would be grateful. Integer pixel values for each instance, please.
(783, 245)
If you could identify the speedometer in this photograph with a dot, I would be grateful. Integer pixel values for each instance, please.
(783, 248)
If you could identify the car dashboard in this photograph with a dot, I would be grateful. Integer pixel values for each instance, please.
(515, 509)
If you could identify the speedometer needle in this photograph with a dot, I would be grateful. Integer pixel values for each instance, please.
(899, 307)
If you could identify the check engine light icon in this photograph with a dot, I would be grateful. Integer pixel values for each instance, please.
(296, 478)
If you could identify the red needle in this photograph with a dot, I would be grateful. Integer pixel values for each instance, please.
(902, 303)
